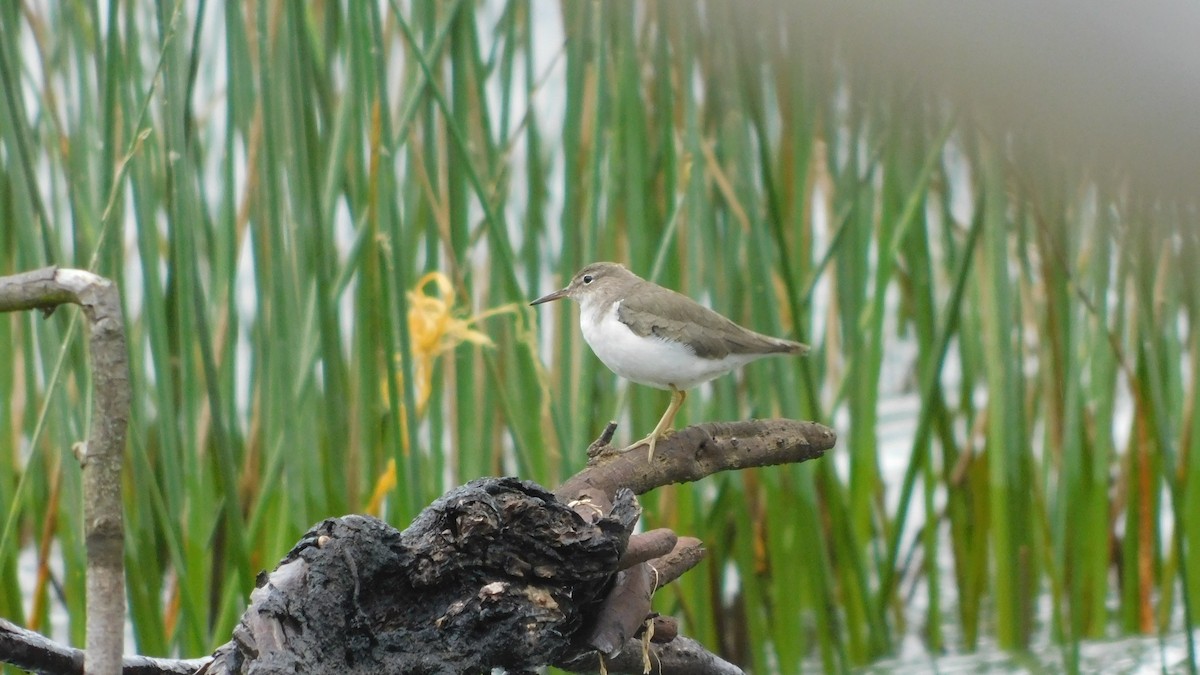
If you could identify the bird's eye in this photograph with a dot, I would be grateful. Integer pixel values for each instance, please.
(587, 278)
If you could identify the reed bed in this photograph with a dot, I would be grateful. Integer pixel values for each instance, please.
(328, 219)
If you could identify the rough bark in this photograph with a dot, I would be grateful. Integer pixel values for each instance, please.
(496, 573)
(503, 573)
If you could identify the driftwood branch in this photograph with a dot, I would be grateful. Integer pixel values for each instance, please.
(696, 452)
(685, 456)
(102, 453)
(501, 572)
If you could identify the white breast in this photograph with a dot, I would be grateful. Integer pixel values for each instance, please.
(651, 361)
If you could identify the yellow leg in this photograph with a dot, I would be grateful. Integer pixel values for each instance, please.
(668, 418)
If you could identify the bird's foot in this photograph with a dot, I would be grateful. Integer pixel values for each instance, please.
(664, 425)
(652, 440)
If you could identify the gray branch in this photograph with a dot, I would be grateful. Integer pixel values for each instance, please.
(102, 453)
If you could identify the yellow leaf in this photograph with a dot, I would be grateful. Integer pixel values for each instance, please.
(436, 326)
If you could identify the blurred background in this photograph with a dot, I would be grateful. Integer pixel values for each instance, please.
(327, 220)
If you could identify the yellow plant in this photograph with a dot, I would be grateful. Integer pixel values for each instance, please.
(434, 330)
(435, 327)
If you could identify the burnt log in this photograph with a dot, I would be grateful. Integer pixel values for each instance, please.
(498, 573)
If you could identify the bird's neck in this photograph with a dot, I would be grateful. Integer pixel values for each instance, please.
(595, 309)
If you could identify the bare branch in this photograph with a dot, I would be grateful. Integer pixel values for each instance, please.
(101, 455)
(698, 451)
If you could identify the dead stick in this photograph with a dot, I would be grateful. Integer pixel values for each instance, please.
(101, 454)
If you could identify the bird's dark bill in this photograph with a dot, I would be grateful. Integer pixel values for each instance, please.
(560, 293)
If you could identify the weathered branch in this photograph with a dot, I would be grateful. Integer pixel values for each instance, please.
(688, 455)
(102, 453)
(696, 452)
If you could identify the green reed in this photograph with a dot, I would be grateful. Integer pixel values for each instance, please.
(282, 176)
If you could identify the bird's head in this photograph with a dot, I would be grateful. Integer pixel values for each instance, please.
(594, 282)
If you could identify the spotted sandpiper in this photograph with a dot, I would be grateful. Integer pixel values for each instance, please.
(657, 337)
